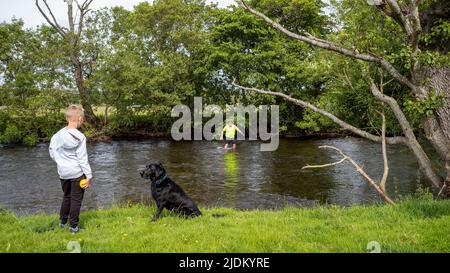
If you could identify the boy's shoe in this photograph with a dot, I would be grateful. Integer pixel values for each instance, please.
(75, 230)
(61, 225)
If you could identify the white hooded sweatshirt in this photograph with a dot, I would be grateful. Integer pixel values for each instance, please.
(68, 150)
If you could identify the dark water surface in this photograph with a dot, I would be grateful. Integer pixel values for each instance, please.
(245, 179)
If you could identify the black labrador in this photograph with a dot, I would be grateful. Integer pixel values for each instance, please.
(167, 193)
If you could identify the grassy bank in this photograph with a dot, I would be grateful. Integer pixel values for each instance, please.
(411, 226)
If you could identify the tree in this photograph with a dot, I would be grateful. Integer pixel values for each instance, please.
(148, 61)
(34, 83)
(80, 59)
(423, 79)
(241, 47)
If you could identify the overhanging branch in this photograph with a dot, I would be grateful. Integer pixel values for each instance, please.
(328, 45)
(341, 123)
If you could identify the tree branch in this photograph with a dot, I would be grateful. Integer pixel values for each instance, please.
(383, 142)
(314, 41)
(415, 36)
(395, 7)
(341, 123)
(52, 15)
(84, 9)
(359, 169)
(70, 16)
(53, 23)
(409, 20)
(384, 151)
(324, 165)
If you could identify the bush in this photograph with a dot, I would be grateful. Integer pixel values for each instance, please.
(49, 126)
(3, 120)
(29, 129)
(125, 124)
(31, 140)
(11, 135)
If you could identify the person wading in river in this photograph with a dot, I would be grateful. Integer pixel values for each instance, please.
(230, 133)
(68, 150)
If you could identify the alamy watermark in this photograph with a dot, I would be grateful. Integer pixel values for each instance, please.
(374, 247)
(74, 247)
(258, 125)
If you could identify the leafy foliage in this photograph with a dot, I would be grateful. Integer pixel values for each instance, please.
(161, 54)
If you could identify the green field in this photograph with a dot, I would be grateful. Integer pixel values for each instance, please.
(410, 226)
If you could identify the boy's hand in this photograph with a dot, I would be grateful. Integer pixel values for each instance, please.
(88, 182)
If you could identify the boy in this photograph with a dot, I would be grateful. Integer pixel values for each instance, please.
(68, 150)
(230, 133)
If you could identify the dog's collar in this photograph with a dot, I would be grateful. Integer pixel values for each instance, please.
(161, 179)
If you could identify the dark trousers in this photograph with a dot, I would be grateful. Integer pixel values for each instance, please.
(71, 204)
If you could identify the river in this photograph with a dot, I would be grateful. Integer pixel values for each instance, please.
(244, 179)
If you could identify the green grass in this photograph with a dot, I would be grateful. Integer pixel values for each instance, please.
(410, 226)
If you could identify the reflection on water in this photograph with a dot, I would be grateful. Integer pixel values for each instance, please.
(245, 178)
(231, 170)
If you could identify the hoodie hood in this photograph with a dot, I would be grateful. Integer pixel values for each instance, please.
(67, 139)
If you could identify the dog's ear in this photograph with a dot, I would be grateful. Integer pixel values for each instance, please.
(158, 169)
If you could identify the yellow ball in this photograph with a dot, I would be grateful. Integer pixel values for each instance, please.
(83, 184)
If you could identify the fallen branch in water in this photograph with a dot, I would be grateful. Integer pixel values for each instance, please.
(359, 169)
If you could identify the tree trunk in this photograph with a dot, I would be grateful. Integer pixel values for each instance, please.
(438, 80)
(105, 122)
(437, 126)
(85, 101)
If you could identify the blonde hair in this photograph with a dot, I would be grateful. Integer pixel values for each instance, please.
(74, 111)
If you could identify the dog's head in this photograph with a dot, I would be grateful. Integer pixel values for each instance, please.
(153, 171)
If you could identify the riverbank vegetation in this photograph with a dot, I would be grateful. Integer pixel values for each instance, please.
(413, 225)
(135, 70)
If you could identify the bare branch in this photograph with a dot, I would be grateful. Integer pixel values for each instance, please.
(86, 4)
(83, 9)
(328, 45)
(442, 190)
(347, 80)
(324, 165)
(414, 38)
(52, 15)
(383, 142)
(384, 150)
(53, 23)
(81, 22)
(70, 16)
(343, 124)
(359, 169)
(78, 5)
